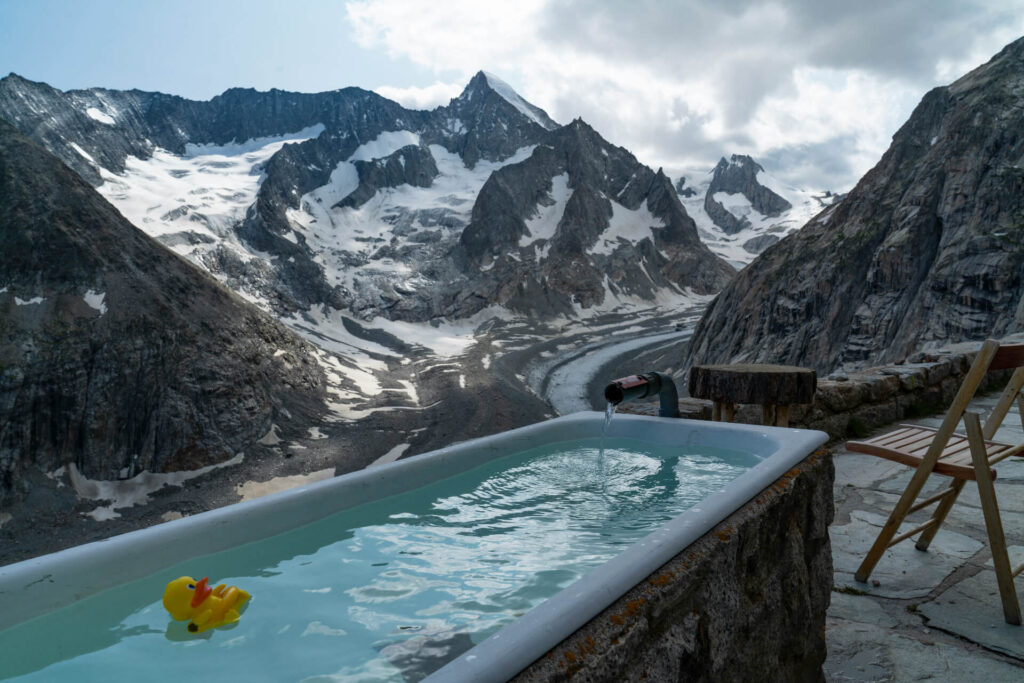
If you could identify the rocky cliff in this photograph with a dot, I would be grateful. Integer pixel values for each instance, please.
(117, 356)
(928, 248)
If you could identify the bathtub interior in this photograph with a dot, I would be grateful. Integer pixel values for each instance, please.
(126, 608)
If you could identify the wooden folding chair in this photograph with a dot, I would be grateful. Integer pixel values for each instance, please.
(960, 456)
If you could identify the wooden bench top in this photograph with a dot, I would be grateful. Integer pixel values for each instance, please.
(753, 383)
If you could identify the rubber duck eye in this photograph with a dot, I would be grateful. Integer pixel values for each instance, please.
(191, 586)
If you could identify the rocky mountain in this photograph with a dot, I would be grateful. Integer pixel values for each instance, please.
(928, 248)
(347, 201)
(741, 210)
(117, 356)
(739, 176)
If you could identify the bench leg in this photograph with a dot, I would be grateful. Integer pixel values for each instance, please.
(730, 411)
(782, 416)
(716, 411)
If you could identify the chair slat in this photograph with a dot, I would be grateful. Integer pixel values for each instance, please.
(941, 467)
(910, 443)
(892, 437)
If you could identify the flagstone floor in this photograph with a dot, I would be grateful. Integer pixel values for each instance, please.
(932, 615)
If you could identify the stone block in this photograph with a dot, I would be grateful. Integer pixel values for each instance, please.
(839, 396)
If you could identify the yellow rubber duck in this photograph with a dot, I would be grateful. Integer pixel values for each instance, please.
(203, 607)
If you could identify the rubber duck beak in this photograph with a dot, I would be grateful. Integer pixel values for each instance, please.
(202, 590)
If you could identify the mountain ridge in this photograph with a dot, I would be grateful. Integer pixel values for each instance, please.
(284, 251)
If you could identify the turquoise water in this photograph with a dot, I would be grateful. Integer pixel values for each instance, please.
(391, 590)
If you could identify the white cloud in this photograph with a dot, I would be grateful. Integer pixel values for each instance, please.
(436, 95)
(822, 86)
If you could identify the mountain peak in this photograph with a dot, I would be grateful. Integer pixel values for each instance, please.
(484, 82)
(742, 161)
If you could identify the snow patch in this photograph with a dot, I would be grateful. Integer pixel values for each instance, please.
(204, 192)
(82, 153)
(270, 438)
(4, 518)
(545, 220)
(448, 339)
(101, 116)
(632, 226)
(256, 489)
(512, 97)
(29, 302)
(95, 300)
(124, 493)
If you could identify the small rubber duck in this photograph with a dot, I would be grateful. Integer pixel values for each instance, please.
(203, 607)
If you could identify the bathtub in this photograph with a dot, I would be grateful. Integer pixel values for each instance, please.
(41, 585)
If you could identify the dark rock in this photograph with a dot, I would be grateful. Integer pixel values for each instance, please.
(739, 176)
(684, 191)
(758, 244)
(928, 248)
(125, 355)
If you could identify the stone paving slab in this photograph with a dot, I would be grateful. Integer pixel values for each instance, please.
(903, 572)
(867, 645)
(971, 608)
(934, 615)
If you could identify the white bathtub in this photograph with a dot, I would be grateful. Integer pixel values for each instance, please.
(40, 585)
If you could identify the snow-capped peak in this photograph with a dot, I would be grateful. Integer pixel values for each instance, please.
(528, 110)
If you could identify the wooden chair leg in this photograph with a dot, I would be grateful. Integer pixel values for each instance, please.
(896, 517)
(993, 522)
(941, 510)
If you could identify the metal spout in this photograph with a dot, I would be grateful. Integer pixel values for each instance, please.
(640, 386)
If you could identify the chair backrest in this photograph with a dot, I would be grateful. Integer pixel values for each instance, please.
(972, 380)
(1005, 358)
(1008, 356)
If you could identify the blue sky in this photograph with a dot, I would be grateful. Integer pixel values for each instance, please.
(193, 48)
(814, 90)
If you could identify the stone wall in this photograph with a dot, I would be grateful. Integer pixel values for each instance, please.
(747, 601)
(855, 404)
(858, 403)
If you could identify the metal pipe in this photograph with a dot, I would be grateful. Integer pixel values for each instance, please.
(640, 386)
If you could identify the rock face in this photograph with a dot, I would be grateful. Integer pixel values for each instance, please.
(739, 176)
(114, 352)
(346, 199)
(577, 219)
(927, 249)
(740, 209)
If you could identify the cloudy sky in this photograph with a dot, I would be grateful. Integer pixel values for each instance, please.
(814, 89)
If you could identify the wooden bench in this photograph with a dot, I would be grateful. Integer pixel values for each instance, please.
(773, 387)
